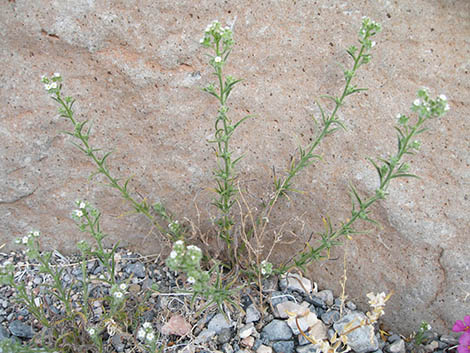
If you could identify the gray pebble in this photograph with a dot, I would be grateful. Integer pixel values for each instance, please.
(117, 343)
(309, 348)
(358, 339)
(19, 329)
(277, 330)
(204, 336)
(330, 317)
(397, 347)
(137, 269)
(224, 336)
(4, 333)
(252, 314)
(316, 301)
(327, 296)
(283, 347)
(218, 323)
(450, 340)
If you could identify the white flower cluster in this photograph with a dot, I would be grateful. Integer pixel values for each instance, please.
(51, 84)
(266, 268)
(418, 103)
(146, 333)
(214, 33)
(83, 208)
(92, 331)
(119, 291)
(25, 240)
(429, 108)
(187, 259)
(175, 227)
(185, 255)
(368, 29)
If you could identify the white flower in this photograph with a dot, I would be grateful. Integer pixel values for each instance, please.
(82, 205)
(217, 59)
(147, 325)
(446, 108)
(141, 333)
(372, 44)
(173, 254)
(79, 213)
(263, 271)
(150, 336)
(25, 239)
(91, 331)
(179, 242)
(191, 280)
(53, 85)
(194, 248)
(118, 295)
(443, 97)
(123, 286)
(36, 233)
(417, 102)
(201, 40)
(56, 74)
(47, 86)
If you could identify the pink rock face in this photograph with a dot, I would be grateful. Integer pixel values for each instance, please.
(136, 72)
(177, 325)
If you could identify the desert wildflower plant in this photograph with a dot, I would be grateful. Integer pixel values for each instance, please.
(215, 281)
(463, 326)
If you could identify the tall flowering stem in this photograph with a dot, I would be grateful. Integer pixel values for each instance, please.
(331, 123)
(387, 169)
(220, 40)
(53, 86)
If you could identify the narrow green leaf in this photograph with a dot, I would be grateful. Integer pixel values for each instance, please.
(405, 175)
(353, 189)
(241, 121)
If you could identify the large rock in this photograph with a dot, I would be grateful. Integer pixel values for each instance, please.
(136, 72)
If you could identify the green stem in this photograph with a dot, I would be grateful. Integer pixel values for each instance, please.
(326, 129)
(313, 254)
(68, 113)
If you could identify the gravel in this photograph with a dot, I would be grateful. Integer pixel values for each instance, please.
(264, 330)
